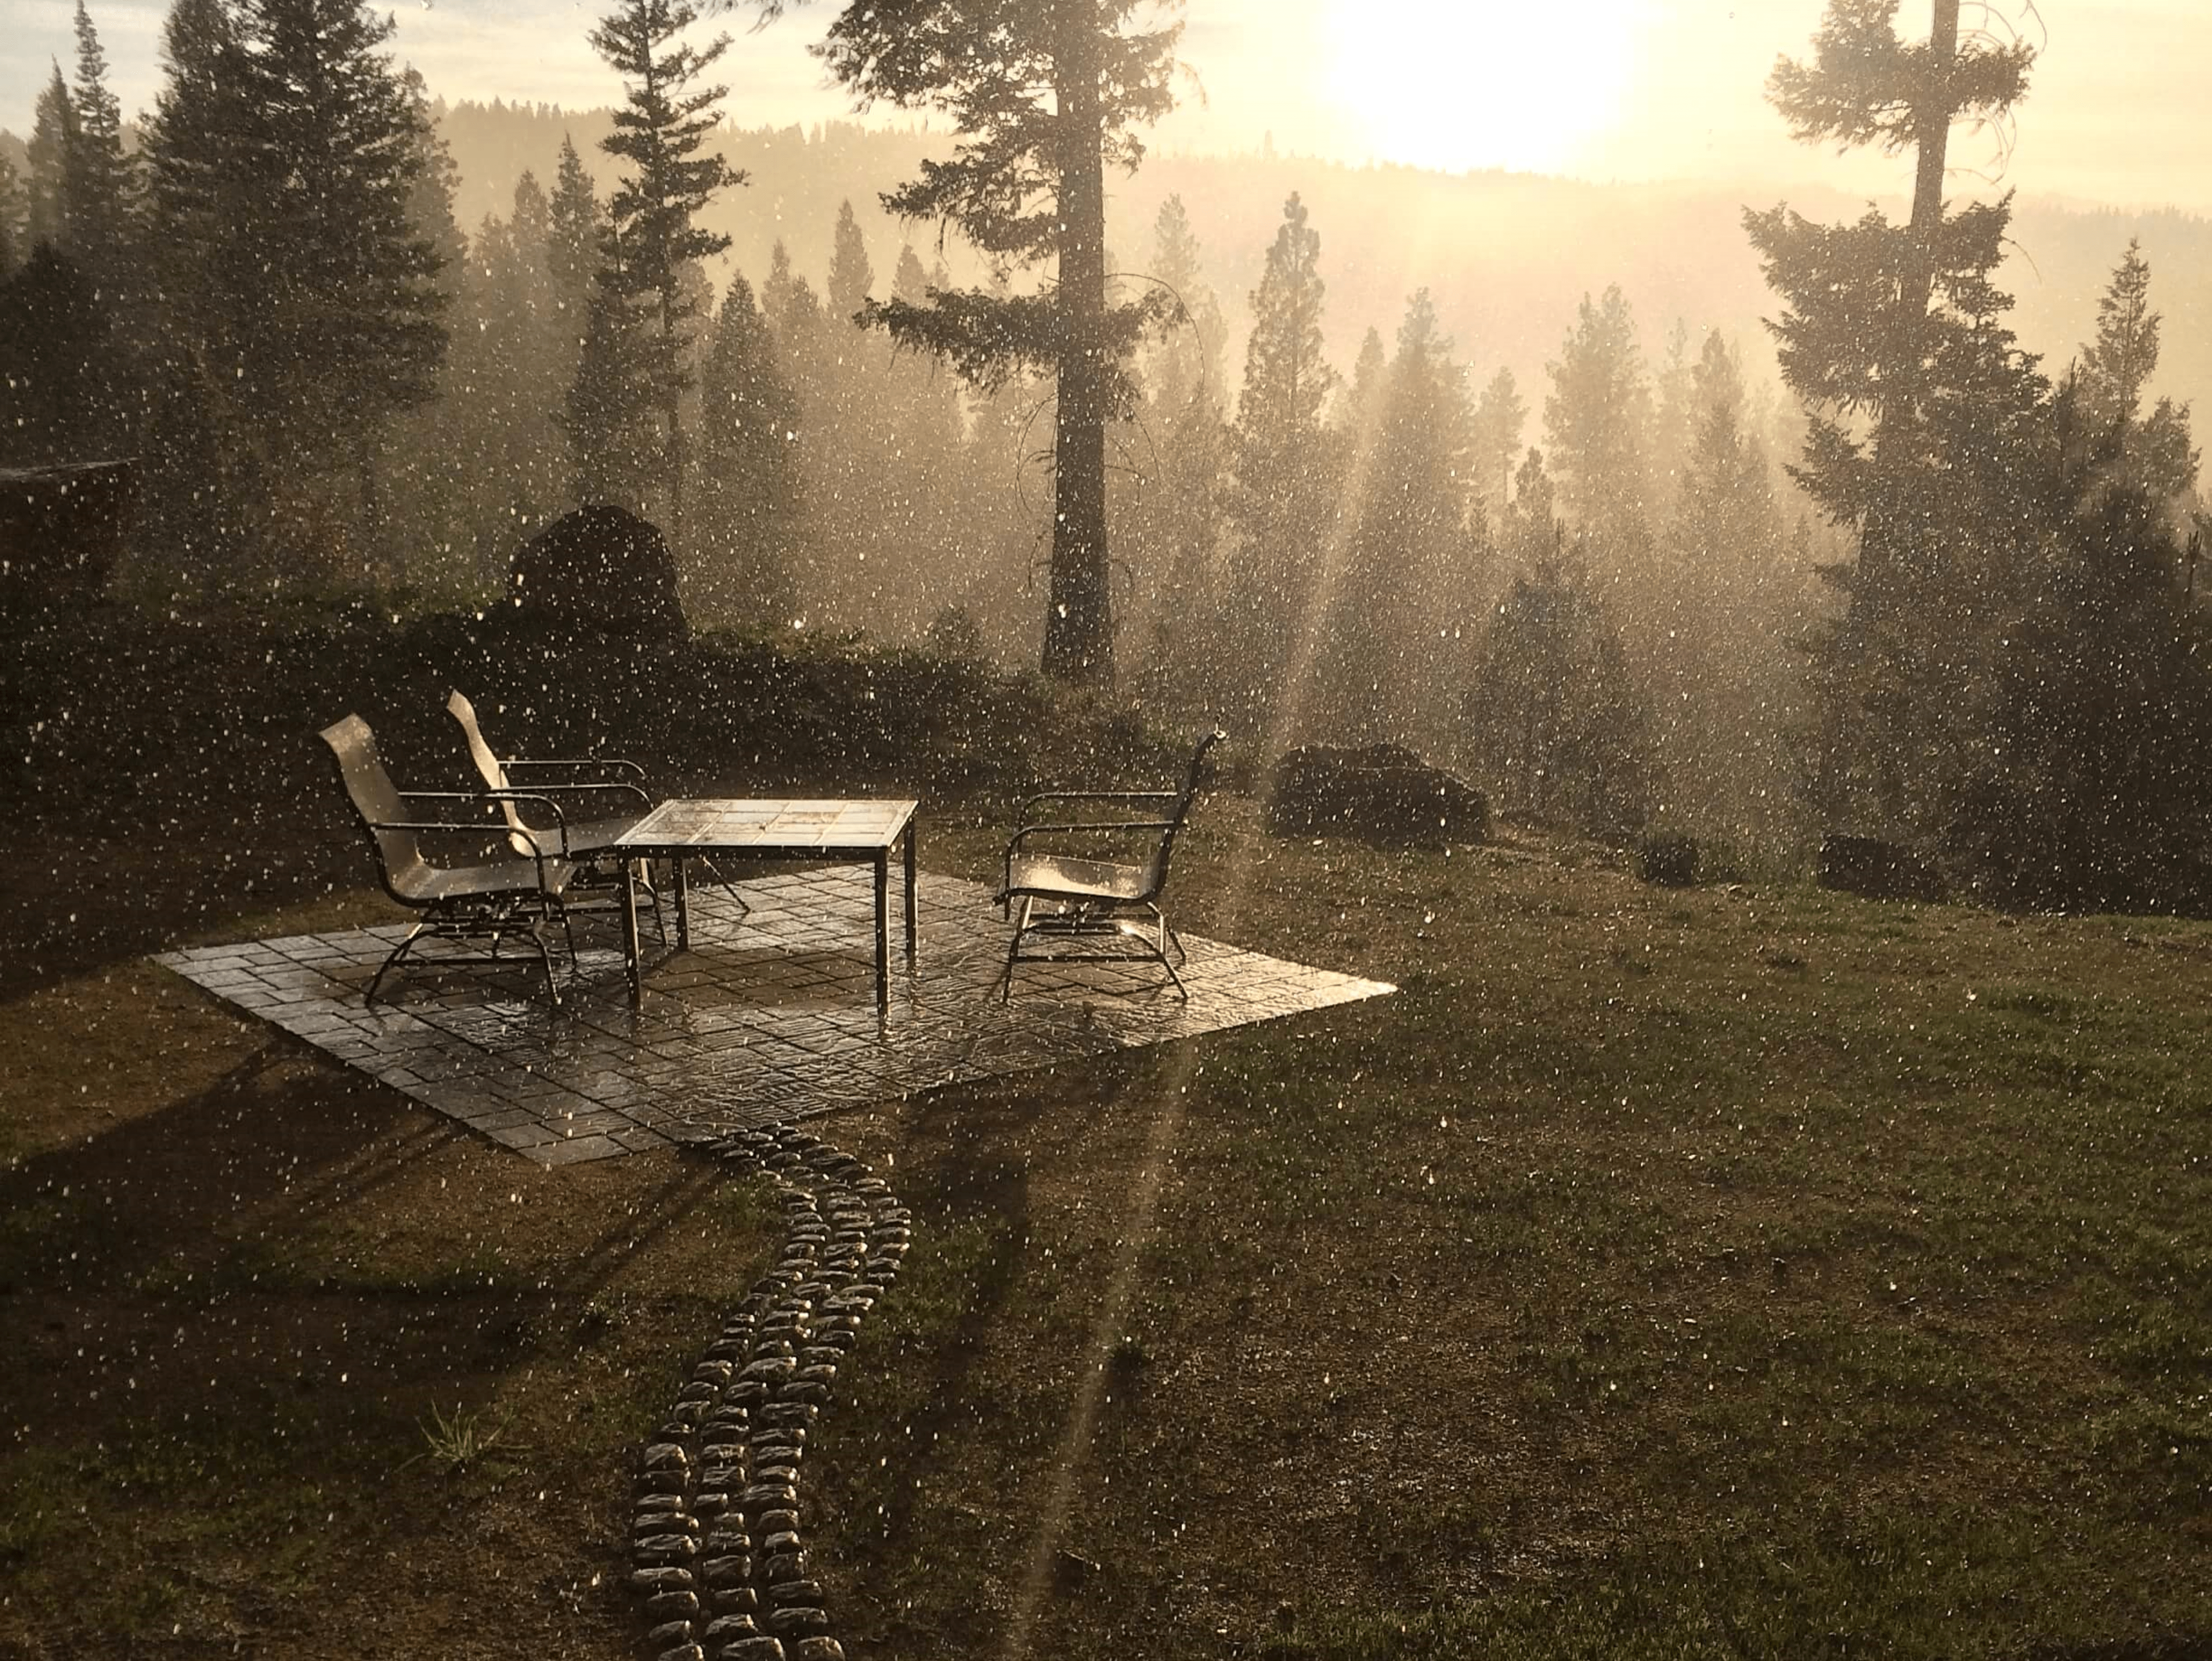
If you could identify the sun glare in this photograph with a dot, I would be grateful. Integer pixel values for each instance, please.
(1441, 83)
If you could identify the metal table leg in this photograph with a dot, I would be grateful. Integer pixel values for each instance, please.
(882, 927)
(630, 946)
(909, 893)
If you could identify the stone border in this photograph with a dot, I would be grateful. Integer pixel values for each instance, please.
(717, 1555)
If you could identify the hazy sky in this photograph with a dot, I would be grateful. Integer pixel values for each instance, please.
(1601, 88)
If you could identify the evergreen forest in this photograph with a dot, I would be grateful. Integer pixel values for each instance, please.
(1805, 523)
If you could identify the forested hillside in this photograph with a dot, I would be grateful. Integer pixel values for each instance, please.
(1736, 510)
(1505, 255)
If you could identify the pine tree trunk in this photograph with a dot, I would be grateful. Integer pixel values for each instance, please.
(1078, 630)
(673, 407)
(1888, 519)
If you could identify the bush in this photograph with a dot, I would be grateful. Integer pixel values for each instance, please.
(1667, 858)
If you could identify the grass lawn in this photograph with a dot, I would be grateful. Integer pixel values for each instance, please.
(1740, 1271)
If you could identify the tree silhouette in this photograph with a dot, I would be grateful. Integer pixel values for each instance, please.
(660, 130)
(2156, 450)
(1044, 97)
(1284, 490)
(1891, 335)
(1597, 420)
(101, 179)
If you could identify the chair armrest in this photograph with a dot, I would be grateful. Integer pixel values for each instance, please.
(489, 797)
(622, 764)
(1014, 843)
(543, 788)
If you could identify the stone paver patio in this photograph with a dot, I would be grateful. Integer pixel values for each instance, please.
(770, 1016)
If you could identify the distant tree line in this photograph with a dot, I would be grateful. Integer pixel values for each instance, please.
(1938, 596)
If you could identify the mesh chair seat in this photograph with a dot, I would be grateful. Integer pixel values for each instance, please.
(1050, 876)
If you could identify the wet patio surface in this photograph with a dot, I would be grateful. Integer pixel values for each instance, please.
(771, 1015)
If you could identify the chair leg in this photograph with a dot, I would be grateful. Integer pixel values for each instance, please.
(393, 956)
(1181, 990)
(546, 957)
(1014, 948)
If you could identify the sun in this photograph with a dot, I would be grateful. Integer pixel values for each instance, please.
(1457, 84)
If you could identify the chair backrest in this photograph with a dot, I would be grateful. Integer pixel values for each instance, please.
(399, 861)
(488, 767)
(1157, 871)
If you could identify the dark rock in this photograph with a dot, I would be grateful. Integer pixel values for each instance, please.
(662, 1549)
(1667, 859)
(659, 1580)
(798, 1621)
(1877, 870)
(735, 1600)
(766, 1496)
(785, 1474)
(796, 1591)
(671, 1605)
(800, 1391)
(664, 1456)
(601, 569)
(783, 1543)
(732, 1571)
(751, 1649)
(683, 1652)
(726, 1628)
(1383, 794)
(818, 1648)
(674, 1632)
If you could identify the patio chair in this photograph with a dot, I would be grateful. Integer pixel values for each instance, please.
(1079, 907)
(490, 900)
(590, 841)
(624, 793)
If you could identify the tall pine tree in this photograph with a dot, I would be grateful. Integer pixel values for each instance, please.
(286, 151)
(660, 130)
(2153, 451)
(101, 180)
(1892, 336)
(53, 141)
(746, 540)
(1408, 579)
(1597, 418)
(1045, 98)
(1282, 497)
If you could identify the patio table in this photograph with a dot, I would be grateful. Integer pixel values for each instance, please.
(835, 832)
